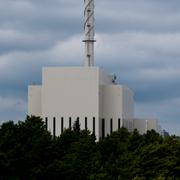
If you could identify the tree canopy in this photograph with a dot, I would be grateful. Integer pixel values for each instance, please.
(29, 151)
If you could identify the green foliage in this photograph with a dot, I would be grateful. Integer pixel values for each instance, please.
(28, 151)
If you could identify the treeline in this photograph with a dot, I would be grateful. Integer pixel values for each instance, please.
(28, 151)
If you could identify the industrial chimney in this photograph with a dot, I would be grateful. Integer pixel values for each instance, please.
(89, 32)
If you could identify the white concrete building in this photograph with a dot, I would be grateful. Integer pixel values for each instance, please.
(83, 93)
(144, 125)
(86, 94)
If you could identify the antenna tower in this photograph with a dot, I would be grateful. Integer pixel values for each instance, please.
(89, 32)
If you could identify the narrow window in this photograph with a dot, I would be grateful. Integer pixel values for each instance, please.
(78, 120)
(70, 123)
(86, 123)
(94, 125)
(119, 123)
(54, 127)
(46, 123)
(111, 125)
(103, 128)
(62, 124)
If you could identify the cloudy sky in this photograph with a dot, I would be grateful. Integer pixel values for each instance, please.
(139, 40)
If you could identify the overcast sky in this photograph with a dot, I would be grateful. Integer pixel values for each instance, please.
(139, 40)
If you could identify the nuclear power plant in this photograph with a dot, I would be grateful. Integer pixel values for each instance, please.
(85, 94)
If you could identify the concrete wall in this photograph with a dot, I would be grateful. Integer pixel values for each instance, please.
(143, 125)
(117, 103)
(34, 100)
(104, 79)
(127, 108)
(128, 103)
(83, 93)
(71, 92)
(153, 124)
(111, 106)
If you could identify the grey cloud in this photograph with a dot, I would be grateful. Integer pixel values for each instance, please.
(148, 63)
(155, 16)
(138, 40)
(12, 104)
(14, 41)
(162, 109)
(19, 69)
(29, 14)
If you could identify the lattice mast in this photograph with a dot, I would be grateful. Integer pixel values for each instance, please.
(89, 32)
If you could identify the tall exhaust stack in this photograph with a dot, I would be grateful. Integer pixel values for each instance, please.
(89, 32)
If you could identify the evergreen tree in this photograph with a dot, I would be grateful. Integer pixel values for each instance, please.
(28, 151)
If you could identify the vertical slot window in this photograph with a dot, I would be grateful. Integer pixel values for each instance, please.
(86, 123)
(46, 123)
(94, 121)
(103, 128)
(77, 125)
(111, 125)
(70, 125)
(62, 124)
(77, 120)
(54, 127)
(119, 123)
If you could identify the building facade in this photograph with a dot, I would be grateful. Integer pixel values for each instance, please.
(86, 94)
(144, 125)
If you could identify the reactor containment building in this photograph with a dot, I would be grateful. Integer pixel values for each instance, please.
(85, 94)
